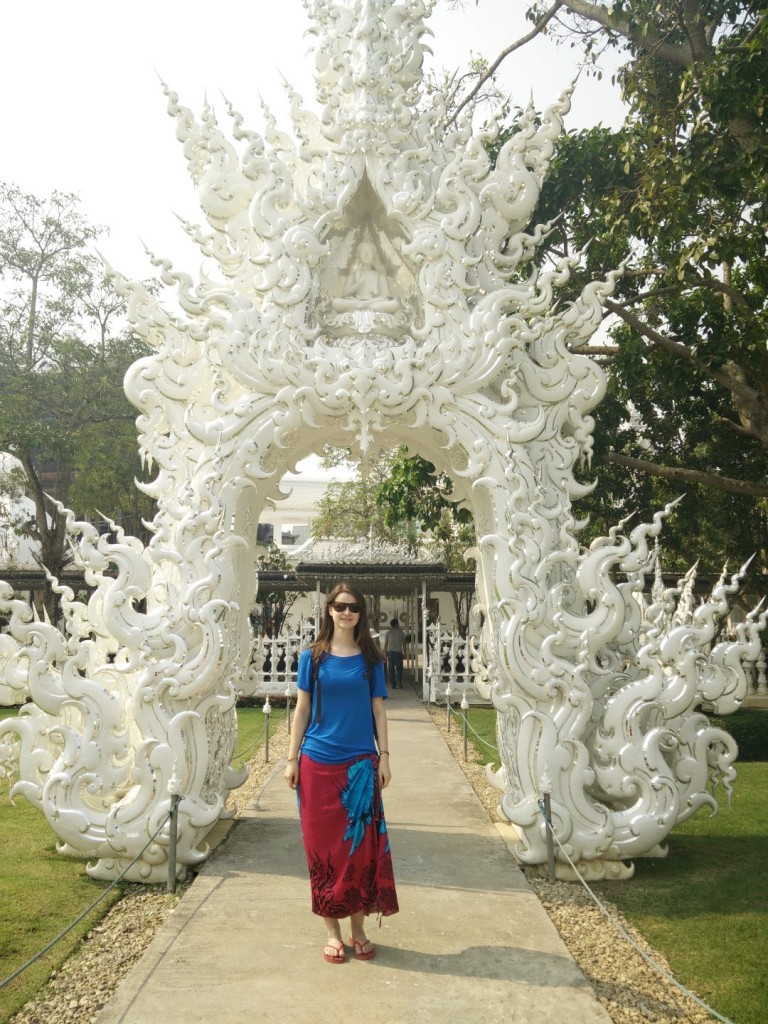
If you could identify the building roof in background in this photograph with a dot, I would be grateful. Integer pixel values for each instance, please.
(342, 551)
(384, 580)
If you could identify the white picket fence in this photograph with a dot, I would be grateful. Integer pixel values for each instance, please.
(274, 664)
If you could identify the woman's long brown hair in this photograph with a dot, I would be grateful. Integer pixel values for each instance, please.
(322, 645)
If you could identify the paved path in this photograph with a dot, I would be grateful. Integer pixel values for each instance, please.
(471, 942)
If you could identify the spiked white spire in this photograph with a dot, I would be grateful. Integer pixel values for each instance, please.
(368, 60)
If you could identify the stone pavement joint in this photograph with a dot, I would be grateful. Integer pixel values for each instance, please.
(471, 943)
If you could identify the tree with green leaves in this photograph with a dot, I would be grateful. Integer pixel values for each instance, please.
(402, 498)
(64, 350)
(415, 492)
(678, 196)
(352, 509)
(275, 605)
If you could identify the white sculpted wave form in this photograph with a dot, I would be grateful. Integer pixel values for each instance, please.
(369, 278)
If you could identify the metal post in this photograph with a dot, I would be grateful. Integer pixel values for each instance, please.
(423, 637)
(413, 618)
(550, 840)
(173, 828)
(546, 790)
(267, 709)
(413, 641)
(452, 658)
(464, 723)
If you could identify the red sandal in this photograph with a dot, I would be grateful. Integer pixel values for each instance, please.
(360, 952)
(333, 954)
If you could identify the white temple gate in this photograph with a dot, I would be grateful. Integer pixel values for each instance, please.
(369, 281)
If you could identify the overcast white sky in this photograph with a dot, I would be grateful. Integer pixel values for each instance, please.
(83, 110)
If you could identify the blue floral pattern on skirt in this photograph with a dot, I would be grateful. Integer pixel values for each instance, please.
(357, 800)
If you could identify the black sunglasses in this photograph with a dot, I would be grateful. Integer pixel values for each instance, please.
(343, 606)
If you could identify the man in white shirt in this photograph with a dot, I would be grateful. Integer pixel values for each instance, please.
(394, 644)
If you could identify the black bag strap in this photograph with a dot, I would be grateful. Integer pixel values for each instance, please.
(315, 678)
(369, 671)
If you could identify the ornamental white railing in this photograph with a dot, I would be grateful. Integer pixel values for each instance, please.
(756, 675)
(274, 664)
(275, 661)
(450, 658)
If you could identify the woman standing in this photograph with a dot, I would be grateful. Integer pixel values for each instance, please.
(333, 765)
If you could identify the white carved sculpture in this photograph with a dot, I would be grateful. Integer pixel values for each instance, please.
(370, 280)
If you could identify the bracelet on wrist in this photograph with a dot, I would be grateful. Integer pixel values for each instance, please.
(384, 752)
(292, 759)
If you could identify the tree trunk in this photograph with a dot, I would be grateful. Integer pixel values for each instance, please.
(51, 535)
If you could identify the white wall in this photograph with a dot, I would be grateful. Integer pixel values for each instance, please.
(293, 514)
(15, 550)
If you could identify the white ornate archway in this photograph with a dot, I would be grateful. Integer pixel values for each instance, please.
(370, 280)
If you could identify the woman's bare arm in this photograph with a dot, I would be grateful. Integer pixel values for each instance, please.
(382, 736)
(301, 718)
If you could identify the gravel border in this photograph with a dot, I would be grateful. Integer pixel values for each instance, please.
(628, 989)
(81, 987)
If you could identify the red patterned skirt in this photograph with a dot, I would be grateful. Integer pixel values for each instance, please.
(345, 838)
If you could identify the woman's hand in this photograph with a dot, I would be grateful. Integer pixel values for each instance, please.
(292, 773)
(385, 775)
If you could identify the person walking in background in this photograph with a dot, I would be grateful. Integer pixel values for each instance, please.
(394, 645)
(338, 775)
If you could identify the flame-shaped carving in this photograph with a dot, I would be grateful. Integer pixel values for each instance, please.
(462, 353)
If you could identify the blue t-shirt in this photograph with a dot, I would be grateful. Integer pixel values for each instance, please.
(346, 729)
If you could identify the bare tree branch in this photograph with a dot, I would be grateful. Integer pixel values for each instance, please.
(727, 289)
(700, 282)
(722, 375)
(682, 475)
(646, 40)
(596, 350)
(737, 428)
(537, 29)
(754, 31)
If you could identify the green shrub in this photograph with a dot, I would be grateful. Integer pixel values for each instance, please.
(749, 727)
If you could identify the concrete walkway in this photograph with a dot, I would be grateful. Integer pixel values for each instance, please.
(471, 942)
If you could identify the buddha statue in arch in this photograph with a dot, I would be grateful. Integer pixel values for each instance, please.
(367, 286)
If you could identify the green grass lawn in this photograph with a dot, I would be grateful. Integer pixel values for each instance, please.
(705, 905)
(41, 893)
(482, 732)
